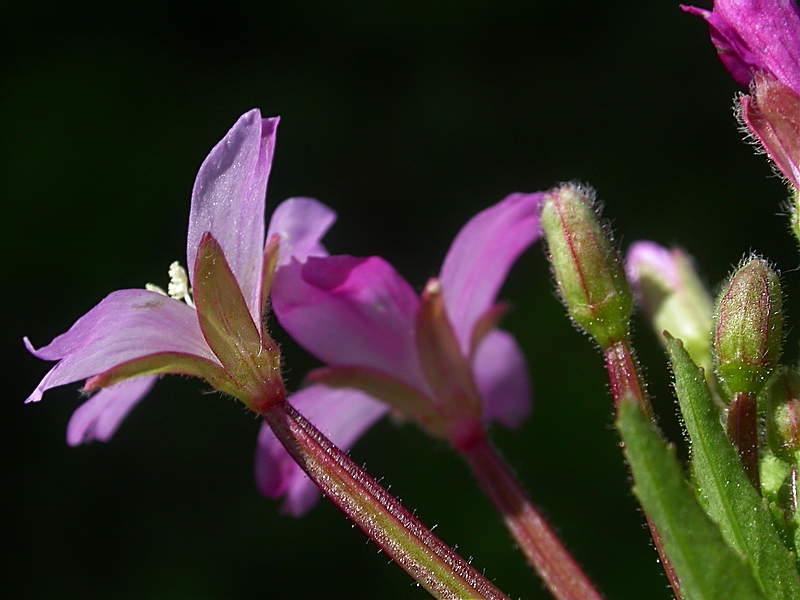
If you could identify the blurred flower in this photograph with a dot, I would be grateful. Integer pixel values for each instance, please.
(759, 43)
(436, 358)
(669, 289)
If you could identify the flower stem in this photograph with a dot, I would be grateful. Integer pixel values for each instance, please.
(544, 551)
(742, 426)
(442, 572)
(625, 378)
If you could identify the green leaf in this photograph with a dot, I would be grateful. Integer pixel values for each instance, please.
(726, 492)
(706, 566)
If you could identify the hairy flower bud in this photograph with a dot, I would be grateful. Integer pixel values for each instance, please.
(748, 328)
(587, 267)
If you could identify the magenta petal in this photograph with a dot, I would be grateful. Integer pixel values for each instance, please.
(343, 415)
(350, 311)
(482, 254)
(228, 201)
(301, 223)
(98, 418)
(125, 325)
(502, 377)
(756, 35)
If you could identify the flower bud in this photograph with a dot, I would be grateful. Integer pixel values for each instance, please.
(587, 267)
(670, 291)
(783, 414)
(748, 328)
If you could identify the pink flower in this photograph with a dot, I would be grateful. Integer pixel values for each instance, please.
(759, 43)
(437, 358)
(756, 36)
(211, 325)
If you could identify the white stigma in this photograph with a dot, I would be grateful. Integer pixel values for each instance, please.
(178, 285)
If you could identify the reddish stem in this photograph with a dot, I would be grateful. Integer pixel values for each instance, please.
(542, 547)
(625, 377)
(743, 431)
(626, 380)
(387, 522)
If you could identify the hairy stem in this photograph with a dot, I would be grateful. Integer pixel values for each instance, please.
(442, 572)
(542, 547)
(626, 380)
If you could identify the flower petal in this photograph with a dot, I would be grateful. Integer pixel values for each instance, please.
(646, 258)
(124, 326)
(98, 418)
(756, 35)
(350, 311)
(501, 374)
(481, 256)
(404, 399)
(228, 201)
(301, 223)
(342, 415)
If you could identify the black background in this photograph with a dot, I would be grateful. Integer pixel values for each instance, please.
(407, 118)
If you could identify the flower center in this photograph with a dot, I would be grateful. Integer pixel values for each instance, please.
(178, 287)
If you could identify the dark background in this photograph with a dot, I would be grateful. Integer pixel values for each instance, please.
(407, 118)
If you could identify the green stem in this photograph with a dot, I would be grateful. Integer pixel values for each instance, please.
(442, 572)
(544, 551)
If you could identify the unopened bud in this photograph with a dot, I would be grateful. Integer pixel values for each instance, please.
(783, 414)
(587, 267)
(748, 328)
(671, 293)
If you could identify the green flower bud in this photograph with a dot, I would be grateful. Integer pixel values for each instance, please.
(748, 328)
(782, 396)
(587, 267)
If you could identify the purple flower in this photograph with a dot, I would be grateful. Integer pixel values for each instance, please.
(436, 358)
(759, 43)
(756, 36)
(215, 328)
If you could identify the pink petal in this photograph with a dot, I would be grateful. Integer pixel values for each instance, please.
(501, 374)
(350, 311)
(756, 35)
(481, 256)
(126, 325)
(301, 223)
(98, 418)
(647, 256)
(228, 201)
(342, 415)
